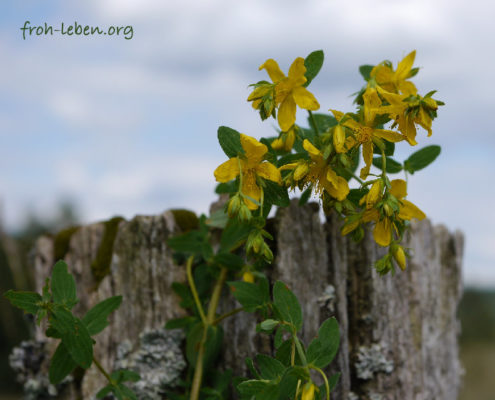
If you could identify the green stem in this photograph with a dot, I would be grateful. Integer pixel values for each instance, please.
(315, 127)
(293, 353)
(226, 315)
(384, 164)
(300, 350)
(103, 371)
(327, 386)
(208, 321)
(355, 176)
(194, 291)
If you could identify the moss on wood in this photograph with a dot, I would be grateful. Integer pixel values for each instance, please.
(101, 264)
(185, 219)
(61, 242)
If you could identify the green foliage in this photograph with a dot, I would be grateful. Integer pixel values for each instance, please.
(76, 345)
(365, 71)
(391, 166)
(230, 141)
(421, 158)
(287, 307)
(117, 387)
(313, 63)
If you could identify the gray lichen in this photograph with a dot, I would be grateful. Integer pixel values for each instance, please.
(27, 361)
(371, 360)
(158, 360)
(327, 299)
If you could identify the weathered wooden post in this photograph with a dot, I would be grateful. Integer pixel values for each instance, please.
(398, 333)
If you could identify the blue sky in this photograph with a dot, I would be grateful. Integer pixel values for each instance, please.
(129, 126)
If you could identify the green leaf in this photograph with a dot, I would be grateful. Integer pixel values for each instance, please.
(322, 349)
(276, 194)
(234, 235)
(332, 381)
(252, 369)
(270, 368)
(63, 286)
(180, 323)
(61, 365)
(227, 187)
(75, 336)
(218, 219)
(250, 295)
(230, 141)
(365, 71)
(105, 391)
(95, 319)
(284, 351)
(389, 148)
(229, 260)
(261, 390)
(124, 375)
(305, 196)
(27, 301)
(287, 305)
(212, 345)
(421, 158)
(313, 63)
(392, 166)
(323, 122)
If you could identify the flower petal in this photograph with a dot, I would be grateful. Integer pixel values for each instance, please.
(391, 136)
(287, 113)
(269, 171)
(404, 67)
(382, 232)
(254, 150)
(297, 69)
(305, 99)
(408, 211)
(251, 189)
(339, 187)
(273, 70)
(227, 171)
(399, 188)
(368, 158)
(371, 215)
(314, 153)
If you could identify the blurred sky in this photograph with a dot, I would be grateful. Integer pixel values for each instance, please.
(129, 126)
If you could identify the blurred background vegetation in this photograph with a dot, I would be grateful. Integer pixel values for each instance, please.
(476, 312)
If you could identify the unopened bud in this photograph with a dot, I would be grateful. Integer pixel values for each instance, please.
(339, 139)
(374, 194)
(244, 213)
(277, 144)
(301, 170)
(234, 205)
(388, 210)
(248, 277)
(400, 257)
(430, 103)
(308, 392)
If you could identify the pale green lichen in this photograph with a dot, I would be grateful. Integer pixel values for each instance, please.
(158, 360)
(371, 360)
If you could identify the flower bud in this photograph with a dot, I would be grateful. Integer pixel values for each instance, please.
(339, 139)
(248, 277)
(308, 392)
(234, 205)
(244, 212)
(277, 144)
(374, 194)
(400, 257)
(301, 170)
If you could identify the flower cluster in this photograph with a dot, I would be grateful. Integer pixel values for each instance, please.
(322, 159)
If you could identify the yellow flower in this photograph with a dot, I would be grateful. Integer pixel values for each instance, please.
(382, 232)
(251, 167)
(308, 392)
(319, 174)
(289, 91)
(396, 81)
(366, 134)
(406, 120)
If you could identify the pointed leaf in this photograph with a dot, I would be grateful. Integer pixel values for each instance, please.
(230, 141)
(422, 158)
(61, 364)
(96, 319)
(63, 285)
(287, 305)
(27, 301)
(322, 350)
(313, 63)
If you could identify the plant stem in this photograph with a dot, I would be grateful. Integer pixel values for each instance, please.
(208, 321)
(315, 127)
(226, 315)
(384, 164)
(190, 280)
(103, 371)
(293, 353)
(300, 350)
(327, 386)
